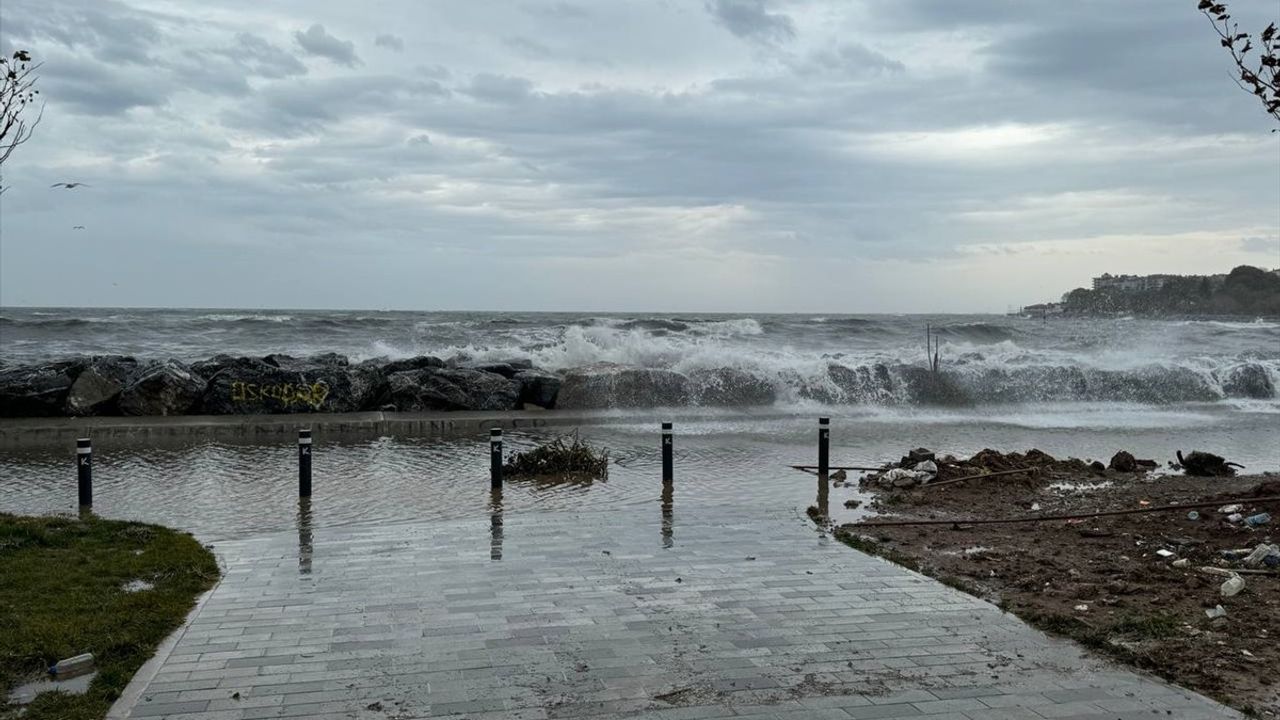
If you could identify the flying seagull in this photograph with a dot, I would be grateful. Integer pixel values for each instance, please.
(77, 227)
(68, 185)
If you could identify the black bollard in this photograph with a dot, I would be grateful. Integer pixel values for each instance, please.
(84, 471)
(824, 447)
(304, 463)
(668, 469)
(495, 458)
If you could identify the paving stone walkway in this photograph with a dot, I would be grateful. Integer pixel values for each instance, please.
(614, 615)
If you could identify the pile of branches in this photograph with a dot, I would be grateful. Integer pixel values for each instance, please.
(560, 458)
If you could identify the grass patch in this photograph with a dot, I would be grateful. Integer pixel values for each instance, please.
(61, 594)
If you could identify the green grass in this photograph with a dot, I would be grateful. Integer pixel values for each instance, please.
(61, 595)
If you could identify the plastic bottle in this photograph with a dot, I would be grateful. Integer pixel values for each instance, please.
(1258, 520)
(1232, 586)
(73, 665)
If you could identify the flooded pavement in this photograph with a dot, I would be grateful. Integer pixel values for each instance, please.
(406, 588)
(723, 462)
(613, 615)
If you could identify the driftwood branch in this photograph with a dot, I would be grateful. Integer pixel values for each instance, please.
(1018, 471)
(839, 467)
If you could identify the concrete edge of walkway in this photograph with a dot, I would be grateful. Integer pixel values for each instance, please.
(132, 693)
(35, 433)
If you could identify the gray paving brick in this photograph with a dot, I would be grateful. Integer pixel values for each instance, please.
(423, 619)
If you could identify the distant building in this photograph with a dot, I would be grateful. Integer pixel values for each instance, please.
(1130, 283)
(1043, 309)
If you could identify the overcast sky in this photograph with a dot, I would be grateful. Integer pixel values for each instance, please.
(679, 155)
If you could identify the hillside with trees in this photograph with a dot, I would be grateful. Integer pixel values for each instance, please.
(1246, 290)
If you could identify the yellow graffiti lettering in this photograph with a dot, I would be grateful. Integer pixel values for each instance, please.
(286, 394)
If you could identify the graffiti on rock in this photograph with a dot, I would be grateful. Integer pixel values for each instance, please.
(287, 394)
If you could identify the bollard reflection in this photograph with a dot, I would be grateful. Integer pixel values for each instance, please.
(824, 498)
(495, 524)
(304, 536)
(668, 514)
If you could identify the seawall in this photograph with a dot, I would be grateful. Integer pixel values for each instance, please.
(37, 433)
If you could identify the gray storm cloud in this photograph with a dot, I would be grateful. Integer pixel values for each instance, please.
(727, 155)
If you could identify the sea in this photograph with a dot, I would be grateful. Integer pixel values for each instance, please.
(1082, 387)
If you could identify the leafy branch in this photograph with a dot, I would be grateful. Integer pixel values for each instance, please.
(1260, 77)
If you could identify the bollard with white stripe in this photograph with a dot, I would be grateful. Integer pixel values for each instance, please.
(495, 458)
(668, 447)
(304, 463)
(824, 447)
(84, 471)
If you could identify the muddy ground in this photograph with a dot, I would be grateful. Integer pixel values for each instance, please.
(1102, 580)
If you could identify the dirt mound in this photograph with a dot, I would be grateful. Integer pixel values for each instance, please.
(1146, 588)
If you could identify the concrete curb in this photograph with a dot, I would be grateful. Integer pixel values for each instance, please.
(133, 692)
(34, 433)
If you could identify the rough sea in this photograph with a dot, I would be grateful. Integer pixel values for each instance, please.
(1071, 387)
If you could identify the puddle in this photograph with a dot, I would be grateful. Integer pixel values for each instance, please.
(24, 694)
(134, 586)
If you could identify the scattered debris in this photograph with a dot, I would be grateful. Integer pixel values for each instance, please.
(1203, 464)
(559, 458)
(900, 478)
(1263, 556)
(1152, 576)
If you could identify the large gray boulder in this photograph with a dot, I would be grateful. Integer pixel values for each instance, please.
(448, 389)
(614, 386)
(730, 387)
(97, 389)
(1250, 380)
(162, 388)
(538, 387)
(37, 391)
(505, 368)
(280, 384)
(421, 362)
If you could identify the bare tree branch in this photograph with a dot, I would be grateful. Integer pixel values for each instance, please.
(17, 95)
